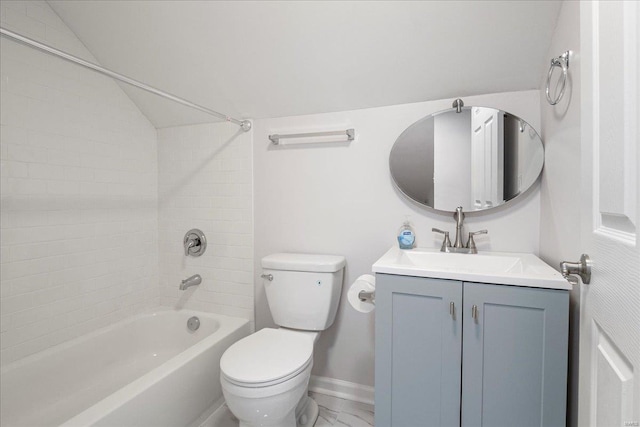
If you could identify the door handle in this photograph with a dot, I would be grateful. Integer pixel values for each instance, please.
(581, 268)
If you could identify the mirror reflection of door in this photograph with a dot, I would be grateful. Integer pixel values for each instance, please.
(487, 159)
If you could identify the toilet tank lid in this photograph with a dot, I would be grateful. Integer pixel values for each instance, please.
(304, 262)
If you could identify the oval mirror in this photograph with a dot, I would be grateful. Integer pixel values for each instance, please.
(478, 158)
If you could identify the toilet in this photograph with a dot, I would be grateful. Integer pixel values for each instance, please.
(265, 376)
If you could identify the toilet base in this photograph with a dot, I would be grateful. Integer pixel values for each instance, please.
(306, 412)
(304, 415)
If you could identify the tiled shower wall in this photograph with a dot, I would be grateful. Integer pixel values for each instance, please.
(205, 182)
(78, 192)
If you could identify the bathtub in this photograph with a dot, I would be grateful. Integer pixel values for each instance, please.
(149, 370)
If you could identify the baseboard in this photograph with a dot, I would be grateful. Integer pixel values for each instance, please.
(342, 389)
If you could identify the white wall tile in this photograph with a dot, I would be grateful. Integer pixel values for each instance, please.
(196, 192)
(20, 153)
(17, 19)
(79, 185)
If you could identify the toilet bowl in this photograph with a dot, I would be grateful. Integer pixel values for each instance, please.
(265, 376)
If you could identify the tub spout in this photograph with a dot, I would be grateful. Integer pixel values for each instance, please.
(190, 281)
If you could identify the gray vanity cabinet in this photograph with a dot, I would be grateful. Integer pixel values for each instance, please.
(451, 353)
(418, 351)
(514, 358)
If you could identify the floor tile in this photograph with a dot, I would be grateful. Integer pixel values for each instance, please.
(321, 422)
(359, 410)
(333, 411)
(358, 418)
(333, 404)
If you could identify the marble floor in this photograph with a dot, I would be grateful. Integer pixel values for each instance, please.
(333, 412)
(341, 412)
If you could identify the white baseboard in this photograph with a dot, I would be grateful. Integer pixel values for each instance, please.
(342, 389)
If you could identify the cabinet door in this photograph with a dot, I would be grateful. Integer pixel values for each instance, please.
(418, 350)
(514, 370)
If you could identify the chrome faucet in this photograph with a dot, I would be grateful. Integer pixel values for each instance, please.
(459, 217)
(194, 242)
(458, 246)
(190, 281)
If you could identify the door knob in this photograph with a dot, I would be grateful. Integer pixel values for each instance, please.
(581, 268)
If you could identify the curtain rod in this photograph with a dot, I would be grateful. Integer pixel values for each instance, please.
(244, 124)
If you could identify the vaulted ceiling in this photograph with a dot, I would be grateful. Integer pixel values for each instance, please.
(257, 59)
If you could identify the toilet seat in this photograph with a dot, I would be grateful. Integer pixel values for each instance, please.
(267, 357)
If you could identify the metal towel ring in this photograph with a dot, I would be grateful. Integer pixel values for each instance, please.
(561, 61)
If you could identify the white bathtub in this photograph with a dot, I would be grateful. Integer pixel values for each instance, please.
(149, 370)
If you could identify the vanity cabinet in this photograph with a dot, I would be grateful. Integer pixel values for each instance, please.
(453, 353)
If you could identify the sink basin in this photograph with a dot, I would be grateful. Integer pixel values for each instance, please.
(486, 267)
(456, 262)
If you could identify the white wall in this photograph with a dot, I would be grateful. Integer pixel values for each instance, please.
(205, 182)
(559, 194)
(78, 192)
(339, 199)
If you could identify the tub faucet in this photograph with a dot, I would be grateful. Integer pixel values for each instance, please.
(190, 281)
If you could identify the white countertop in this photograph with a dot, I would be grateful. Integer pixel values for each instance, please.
(506, 268)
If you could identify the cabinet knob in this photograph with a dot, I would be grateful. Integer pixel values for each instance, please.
(474, 312)
(452, 309)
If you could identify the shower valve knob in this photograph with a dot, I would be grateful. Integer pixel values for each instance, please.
(195, 243)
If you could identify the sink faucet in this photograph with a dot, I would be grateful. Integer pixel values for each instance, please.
(458, 246)
(459, 217)
(194, 280)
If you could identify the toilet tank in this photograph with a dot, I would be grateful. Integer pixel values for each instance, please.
(304, 290)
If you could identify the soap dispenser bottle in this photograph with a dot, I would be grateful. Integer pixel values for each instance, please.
(406, 235)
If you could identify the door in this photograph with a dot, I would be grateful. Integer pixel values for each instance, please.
(487, 157)
(418, 350)
(514, 356)
(609, 383)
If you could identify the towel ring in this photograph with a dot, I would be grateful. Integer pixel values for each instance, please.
(561, 61)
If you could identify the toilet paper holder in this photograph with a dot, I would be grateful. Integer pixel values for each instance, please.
(362, 294)
(367, 296)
